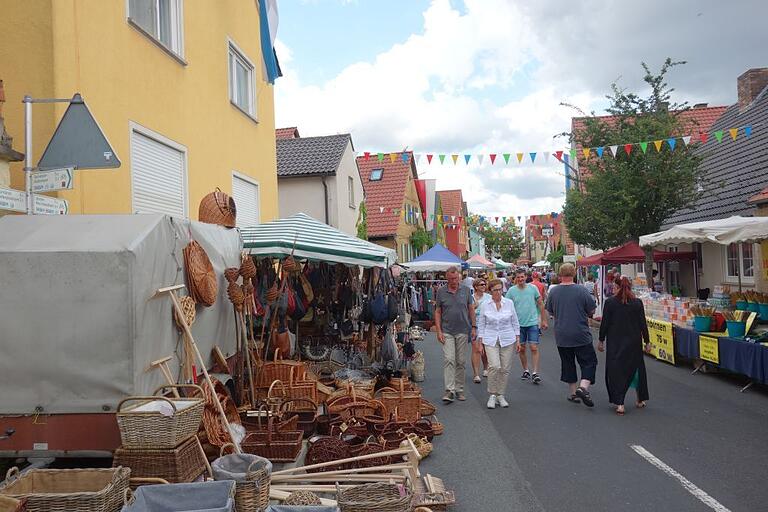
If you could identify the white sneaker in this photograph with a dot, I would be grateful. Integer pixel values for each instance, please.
(492, 402)
(502, 401)
(485, 373)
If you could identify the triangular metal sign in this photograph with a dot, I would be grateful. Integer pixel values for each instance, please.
(78, 142)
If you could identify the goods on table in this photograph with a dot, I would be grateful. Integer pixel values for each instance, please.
(736, 316)
(376, 497)
(218, 208)
(193, 497)
(251, 474)
(304, 498)
(68, 490)
(8, 504)
(201, 279)
(184, 463)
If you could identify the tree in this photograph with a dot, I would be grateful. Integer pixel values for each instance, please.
(505, 240)
(362, 222)
(556, 257)
(622, 198)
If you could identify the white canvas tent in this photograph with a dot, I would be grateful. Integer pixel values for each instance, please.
(79, 326)
(722, 231)
(541, 264)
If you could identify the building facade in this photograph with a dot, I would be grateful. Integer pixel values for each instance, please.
(454, 219)
(177, 88)
(319, 176)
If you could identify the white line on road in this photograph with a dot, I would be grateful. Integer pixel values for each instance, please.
(687, 484)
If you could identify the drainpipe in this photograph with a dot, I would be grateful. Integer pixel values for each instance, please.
(325, 199)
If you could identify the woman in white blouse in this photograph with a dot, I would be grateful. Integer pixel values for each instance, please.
(499, 330)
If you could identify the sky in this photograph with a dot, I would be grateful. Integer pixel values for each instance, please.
(490, 76)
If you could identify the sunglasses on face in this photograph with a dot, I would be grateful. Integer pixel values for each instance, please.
(496, 289)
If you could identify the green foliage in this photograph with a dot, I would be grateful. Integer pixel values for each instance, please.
(421, 241)
(362, 222)
(505, 240)
(555, 257)
(625, 197)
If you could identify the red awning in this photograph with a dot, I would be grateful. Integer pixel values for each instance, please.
(631, 252)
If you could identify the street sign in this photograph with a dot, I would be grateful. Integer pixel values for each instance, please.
(11, 199)
(54, 179)
(78, 141)
(547, 231)
(44, 205)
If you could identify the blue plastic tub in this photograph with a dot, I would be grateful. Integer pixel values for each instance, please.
(702, 323)
(736, 329)
(763, 311)
(742, 305)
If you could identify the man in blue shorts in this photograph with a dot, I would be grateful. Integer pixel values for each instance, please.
(529, 307)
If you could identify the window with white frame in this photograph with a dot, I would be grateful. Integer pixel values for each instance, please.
(241, 81)
(245, 192)
(740, 260)
(351, 191)
(158, 174)
(162, 20)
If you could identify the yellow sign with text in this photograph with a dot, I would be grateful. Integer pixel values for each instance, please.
(662, 342)
(709, 349)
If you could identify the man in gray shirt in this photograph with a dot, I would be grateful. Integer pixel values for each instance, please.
(572, 306)
(454, 317)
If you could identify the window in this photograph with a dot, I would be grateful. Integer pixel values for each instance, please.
(376, 174)
(241, 81)
(351, 191)
(158, 174)
(161, 20)
(740, 260)
(245, 192)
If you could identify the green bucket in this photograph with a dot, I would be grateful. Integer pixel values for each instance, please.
(702, 323)
(736, 329)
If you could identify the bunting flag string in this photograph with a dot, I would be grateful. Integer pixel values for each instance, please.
(668, 144)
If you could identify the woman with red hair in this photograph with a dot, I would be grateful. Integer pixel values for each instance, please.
(624, 327)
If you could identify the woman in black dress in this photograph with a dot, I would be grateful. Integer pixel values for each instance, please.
(624, 326)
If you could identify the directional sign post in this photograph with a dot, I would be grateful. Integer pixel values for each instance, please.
(44, 205)
(11, 199)
(54, 179)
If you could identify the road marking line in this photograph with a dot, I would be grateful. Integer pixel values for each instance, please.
(687, 484)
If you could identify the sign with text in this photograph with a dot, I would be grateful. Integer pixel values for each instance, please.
(709, 349)
(44, 205)
(11, 199)
(662, 342)
(54, 179)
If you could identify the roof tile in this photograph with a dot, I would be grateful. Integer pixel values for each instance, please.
(310, 156)
(383, 195)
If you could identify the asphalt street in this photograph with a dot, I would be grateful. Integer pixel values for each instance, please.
(704, 444)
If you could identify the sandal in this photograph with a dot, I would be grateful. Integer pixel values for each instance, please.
(640, 405)
(619, 412)
(586, 398)
(573, 398)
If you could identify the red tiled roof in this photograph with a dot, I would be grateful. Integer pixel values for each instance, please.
(387, 193)
(287, 133)
(692, 121)
(760, 197)
(452, 202)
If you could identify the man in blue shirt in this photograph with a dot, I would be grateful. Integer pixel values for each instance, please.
(529, 307)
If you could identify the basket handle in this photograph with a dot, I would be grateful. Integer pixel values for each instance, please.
(271, 386)
(132, 398)
(224, 446)
(277, 352)
(12, 474)
(180, 386)
(128, 496)
(293, 400)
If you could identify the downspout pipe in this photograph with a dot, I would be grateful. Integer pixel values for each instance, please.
(325, 199)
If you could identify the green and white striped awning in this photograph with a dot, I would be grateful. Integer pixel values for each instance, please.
(314, 241)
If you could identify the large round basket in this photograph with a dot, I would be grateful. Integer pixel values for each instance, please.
(252, 475)
(379, 497)
(218, 208)
(201, 278)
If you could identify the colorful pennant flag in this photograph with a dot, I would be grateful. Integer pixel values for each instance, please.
(392, 157)
(719, 135)
(748, 130)
(586, 152)
(467, 158)
(573, 154)
(381, 209)
(493, 158)
(480, 159)
(367, 155)
(599, 152)
(533, 157)
(628, 149)
(519, 159)
(546, 157)
(657, 143)
(380, 156)
(442, 159)
(703, 137)
(687, 140)
(671, 141)
(429, 158)
(734, 132)
(506, 158)
(644, 146)
(613, 149)
(454, 157)
(559, 155)
(405, 157)
(418, 158)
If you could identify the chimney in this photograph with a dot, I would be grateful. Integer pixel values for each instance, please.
(701, 105)
(750, 84)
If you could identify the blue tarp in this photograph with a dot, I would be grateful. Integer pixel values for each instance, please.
(438, 258)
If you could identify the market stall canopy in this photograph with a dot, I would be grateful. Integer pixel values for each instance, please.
(477, 262)
(723, 231)
(541, 263)
(314, 241)
(79, 326)
(501, 264)
(631, 252)
(437, 259)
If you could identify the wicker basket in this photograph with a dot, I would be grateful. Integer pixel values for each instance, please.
(68, 490)
(326, 449)
(187, 304)
(379, 497)
(275, 446)
(278, 369)
(8, 504)
(423, 446)
(426, 408)
(252, 488)
(437, 427)
(218, 208)
(408, 403)
(247, 267)
(301, 389)
(178, 465)
(201, 279)
(144, 428)
(306, 410)
(283, 421)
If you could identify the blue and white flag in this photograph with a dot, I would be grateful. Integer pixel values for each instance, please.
(268, 20)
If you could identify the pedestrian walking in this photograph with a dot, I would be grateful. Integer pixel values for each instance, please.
(479, 358)
(529, 307)
(572, 306)
(623, 328)
(454, 318)
(591, 285)
(499, 332)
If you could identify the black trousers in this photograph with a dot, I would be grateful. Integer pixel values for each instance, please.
(585, 355)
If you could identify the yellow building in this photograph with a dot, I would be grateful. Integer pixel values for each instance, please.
(176, 86)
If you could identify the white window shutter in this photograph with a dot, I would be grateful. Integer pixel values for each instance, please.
(246, 196)
(157, 177)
